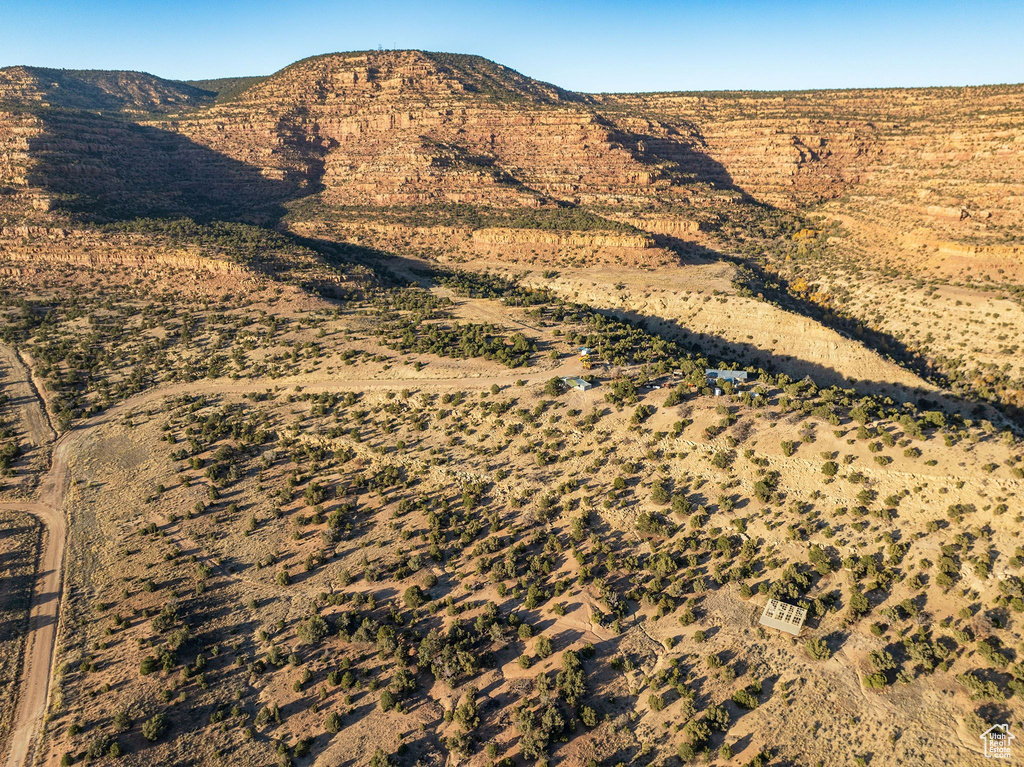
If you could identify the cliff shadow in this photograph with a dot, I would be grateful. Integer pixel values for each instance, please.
(104, 169)
(774, 289)
(677, 155)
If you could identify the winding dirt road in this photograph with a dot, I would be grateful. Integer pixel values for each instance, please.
(45, 606)
(44, 615)
(45, 610)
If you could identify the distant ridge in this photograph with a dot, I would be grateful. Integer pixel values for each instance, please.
(226, 88)
(98, 90)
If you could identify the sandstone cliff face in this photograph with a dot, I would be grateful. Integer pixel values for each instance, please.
(938, 163)
(105, 168)
(499, 236)
(777, 152)
(456, 244)
(18, 197)
(407, 128)
(359, 134)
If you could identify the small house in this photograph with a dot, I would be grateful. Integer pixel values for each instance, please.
(575, 382)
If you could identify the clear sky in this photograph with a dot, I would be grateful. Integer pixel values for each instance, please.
(597, 45)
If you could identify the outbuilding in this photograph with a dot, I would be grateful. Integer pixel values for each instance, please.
(575, 382)
(720, 376)
(783, 616)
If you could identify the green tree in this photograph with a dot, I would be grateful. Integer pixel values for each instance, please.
(543, 646)
(333, 723)
(313, 629)
(413, 597)
(155, 726)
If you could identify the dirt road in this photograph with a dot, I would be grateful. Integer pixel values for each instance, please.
(44, 611)
(18, 383)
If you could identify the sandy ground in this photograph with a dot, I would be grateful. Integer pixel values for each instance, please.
(43, 618)
(829, 696)
(698, 304)
(48, 505)
(437, 376)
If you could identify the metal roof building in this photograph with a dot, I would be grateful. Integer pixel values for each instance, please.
(783, 616)
(737, 376)
(575, 382)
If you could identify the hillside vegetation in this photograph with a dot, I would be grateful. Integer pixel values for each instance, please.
(304, 342)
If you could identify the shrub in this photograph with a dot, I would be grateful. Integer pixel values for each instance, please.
(642, 413)
(978, 687)
(413, 597)
(467, 715)
(858, 604)
(745, 698)
(313, 629)
(571, 682)
(98, 746)
(333, 723)
(659, 494)
(875, 681)
(543, 647)
(588, 716)
(818, 649)
(122, 721)
(155, 726)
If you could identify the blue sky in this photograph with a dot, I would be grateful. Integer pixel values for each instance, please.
(588, 46)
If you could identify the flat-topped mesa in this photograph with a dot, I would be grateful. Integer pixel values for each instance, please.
(335, 78)
(410, 127)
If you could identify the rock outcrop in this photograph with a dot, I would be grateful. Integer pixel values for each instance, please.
(928, 161)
